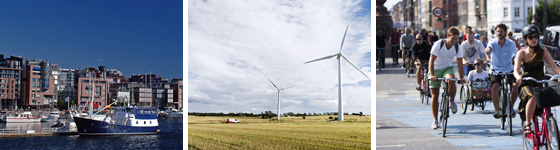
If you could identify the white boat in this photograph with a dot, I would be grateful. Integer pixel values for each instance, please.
(174, 113)
(25, 117)
(53, 116)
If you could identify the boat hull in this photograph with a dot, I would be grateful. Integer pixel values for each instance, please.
(88, 126)
(21, 120)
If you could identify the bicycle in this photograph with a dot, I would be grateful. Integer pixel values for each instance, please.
(407, 61)
(425, 89)
(444, 104)
(395, 54)
(548, 134)
(468, 97)
(505, 101)
(380, 57)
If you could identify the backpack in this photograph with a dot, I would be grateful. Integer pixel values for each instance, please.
(443, 42)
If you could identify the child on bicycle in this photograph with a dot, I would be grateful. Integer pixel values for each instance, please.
(479, 91)
(531, 60)
(442, 53)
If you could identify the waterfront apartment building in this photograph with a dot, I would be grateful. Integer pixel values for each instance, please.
(91, 83)
(66, 84)
(39, 84)
(177, 86)
(10, 81)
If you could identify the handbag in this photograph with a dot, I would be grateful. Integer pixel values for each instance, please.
(546, 97)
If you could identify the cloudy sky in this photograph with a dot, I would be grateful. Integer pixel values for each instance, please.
(236, 46)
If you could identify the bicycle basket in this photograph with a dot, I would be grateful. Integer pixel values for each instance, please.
(546, 97)
(481, 89)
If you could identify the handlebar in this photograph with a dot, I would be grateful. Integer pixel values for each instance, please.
(448, 79)
(553, 78)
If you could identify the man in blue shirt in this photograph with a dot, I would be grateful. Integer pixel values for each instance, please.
(502, 52)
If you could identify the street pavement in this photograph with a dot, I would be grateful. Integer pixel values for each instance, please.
(403, 122)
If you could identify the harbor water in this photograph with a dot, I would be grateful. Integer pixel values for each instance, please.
(170, 137)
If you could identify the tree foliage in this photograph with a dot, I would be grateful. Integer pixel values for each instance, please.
(553, 13)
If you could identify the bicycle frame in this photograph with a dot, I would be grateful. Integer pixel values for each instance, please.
(505, 100)
(444, 104)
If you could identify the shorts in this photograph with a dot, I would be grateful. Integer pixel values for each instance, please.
(440, 73)
(498, 79)
(526, 93)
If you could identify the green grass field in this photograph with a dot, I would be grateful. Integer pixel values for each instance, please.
(314, 132)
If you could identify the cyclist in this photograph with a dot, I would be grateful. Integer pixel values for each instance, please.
(510, 36)
(473, 50)
(502, 51)
(394, 37)
(478, 73)
(434, 38)
(531, 59)
(442, 54)
(381, 43)
(420, 53)
(406, 43)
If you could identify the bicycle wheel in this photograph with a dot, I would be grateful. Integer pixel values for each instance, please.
(552, 130)
(528, 141)
(427, 88)
(502, 107)
(423, 96)
(509, 108)
(463, 97)
(445, 114)
(407, 66)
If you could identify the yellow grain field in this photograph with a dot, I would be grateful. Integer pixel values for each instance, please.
(314, 132)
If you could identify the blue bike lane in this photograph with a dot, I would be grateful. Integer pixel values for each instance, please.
(397, 99)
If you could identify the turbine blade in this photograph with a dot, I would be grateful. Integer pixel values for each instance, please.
(273, 84)
(327, 57)
(344, 37)
(285, 88)
(355, 66)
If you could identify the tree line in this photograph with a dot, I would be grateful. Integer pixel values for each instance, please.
(267, 114)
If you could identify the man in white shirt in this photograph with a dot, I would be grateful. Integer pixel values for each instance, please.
(442, 53)
(473, 49)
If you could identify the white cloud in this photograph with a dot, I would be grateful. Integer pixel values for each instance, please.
(235, 46)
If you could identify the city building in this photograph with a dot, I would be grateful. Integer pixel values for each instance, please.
(512, 13)
(39, 84)
(477, 16)
(92, 83)
(67, 83)
(177, 86)
(10, 81)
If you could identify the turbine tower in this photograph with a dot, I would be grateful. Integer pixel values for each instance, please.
(278, 97)
(338, 56)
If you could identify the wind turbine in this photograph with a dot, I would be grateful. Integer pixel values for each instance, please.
(278, 97)
(338, 55)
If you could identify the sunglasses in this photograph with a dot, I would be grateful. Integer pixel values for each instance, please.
(418, 39)
(477, 64)
(510, 34)
(530, 37)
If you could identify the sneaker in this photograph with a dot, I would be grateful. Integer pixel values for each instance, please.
(434, 124)
(453, 108)
(403, 66)
(418, 88)
(497, 114)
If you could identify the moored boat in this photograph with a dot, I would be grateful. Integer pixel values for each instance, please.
(25, 117)
(120, 120)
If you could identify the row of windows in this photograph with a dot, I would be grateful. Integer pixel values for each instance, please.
(516, 11)
(144, 122)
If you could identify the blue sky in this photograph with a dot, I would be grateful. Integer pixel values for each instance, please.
(133, 36)
(236, 46)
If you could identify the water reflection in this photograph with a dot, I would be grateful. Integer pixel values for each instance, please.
(38, 127)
